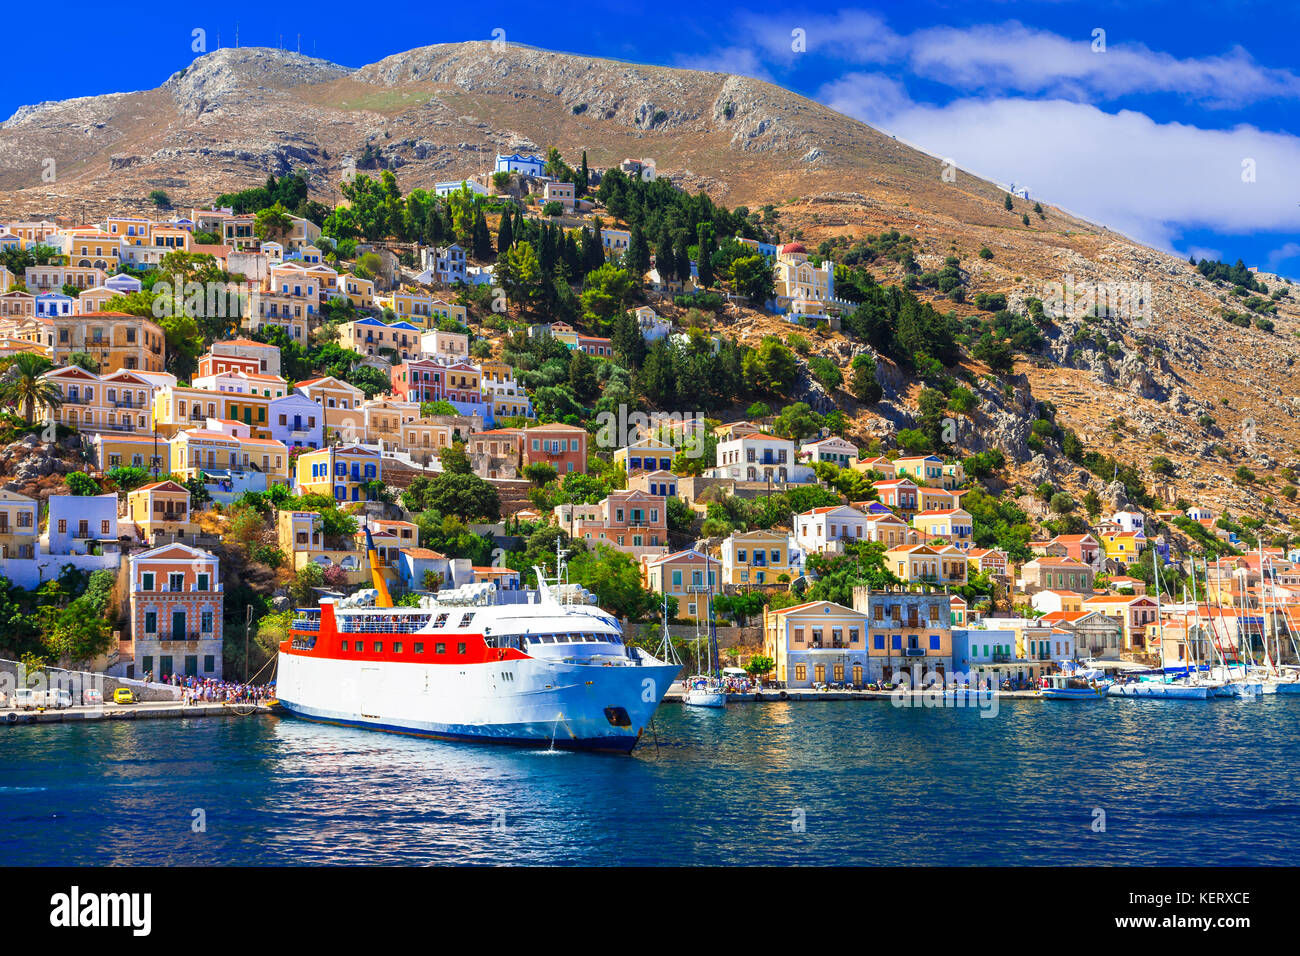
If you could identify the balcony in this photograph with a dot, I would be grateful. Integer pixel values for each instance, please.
(164, 637)
(914, 652)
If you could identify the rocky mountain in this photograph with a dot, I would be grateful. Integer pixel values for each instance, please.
(1184, 383)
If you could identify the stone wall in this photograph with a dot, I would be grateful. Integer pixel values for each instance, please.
(74, 681)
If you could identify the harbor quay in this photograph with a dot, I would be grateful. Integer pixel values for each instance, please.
(144, 710)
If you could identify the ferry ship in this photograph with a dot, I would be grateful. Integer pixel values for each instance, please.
(544, 668)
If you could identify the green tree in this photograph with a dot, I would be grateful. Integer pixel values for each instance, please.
(22, 386)
(272, 223)
(454, 459)
(769, 368)
(81, 484)
(615, 578)
(540, 473)
(752, 277)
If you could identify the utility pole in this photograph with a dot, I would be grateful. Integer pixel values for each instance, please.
(248, 623)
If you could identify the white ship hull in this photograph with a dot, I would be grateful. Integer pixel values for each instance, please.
(526, 702)
(527, 672)
(1155, 690)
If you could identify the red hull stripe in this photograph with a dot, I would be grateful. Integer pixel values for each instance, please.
(370, 647)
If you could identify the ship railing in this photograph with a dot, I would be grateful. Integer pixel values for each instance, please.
(375, 625)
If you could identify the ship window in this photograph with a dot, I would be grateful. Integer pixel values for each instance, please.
(440, 648)
(442, 619)
(379, 647)
(464, 621)
(343, 646)
(419, 648)
(397, 647)
(460, 648)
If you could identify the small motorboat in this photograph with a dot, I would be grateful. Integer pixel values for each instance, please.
(704, 692)
(1072, 687)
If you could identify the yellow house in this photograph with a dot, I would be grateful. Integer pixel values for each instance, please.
(648, 454)
(92, 249)
(360, 292)
(162, 507)
(411, 305)
(1123, 546)
(116, 450)
(199, 450)
(689, 576)
(302, 539)
(340, 471)
(266, 455)
(19, 529)
(932, 565)
(176, 407)
(817, 643)
(922, 469)
(954, 525)
(756, 557)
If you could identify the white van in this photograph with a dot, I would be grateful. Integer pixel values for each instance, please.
(58, 699)
(26, 699)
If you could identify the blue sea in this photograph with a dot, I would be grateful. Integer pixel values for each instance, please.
(853, 783)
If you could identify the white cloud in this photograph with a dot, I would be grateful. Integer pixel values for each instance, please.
(1013, 58)
(1124, 170)
(1284, 253)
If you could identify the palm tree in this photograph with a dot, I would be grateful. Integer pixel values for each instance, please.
(23, 387)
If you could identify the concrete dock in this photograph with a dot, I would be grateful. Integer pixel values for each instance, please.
(145, 710)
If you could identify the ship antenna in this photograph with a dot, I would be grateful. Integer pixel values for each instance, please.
(667, 652)
(561, 572)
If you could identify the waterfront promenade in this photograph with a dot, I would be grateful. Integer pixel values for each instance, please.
(145, 710)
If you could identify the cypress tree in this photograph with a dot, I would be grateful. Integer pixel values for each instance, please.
(505, 234)
(481, 238)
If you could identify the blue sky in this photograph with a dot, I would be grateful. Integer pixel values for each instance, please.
(1182, 130)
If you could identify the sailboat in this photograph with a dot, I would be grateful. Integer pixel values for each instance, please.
(1231, 682)
(704, 689)
(1272, 677)
(1164, 687)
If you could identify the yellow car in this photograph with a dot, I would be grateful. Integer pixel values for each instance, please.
(124, 695)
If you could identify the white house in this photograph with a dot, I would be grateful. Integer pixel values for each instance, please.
(827, 530)
(516, 163)
(836, 450)
(759, 457)
(652, 325)
(452, 186)
(1130, 522)
(444, 264)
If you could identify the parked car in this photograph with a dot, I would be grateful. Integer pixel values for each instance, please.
(28, 699)
(124, 695)
(91, 696)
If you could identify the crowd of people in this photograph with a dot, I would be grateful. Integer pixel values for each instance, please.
(195, 690)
